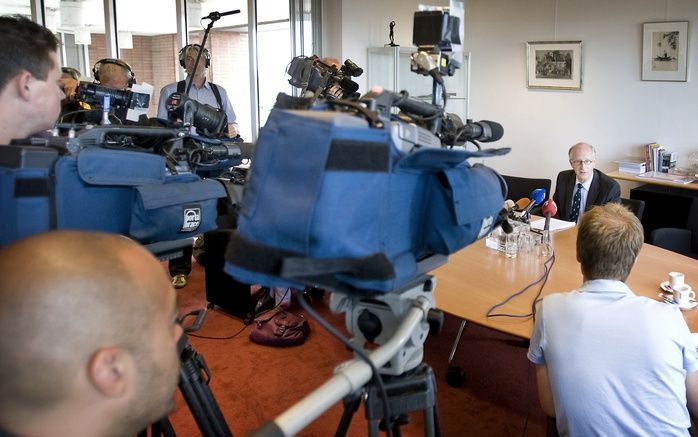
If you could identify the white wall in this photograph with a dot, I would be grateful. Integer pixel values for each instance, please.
(615, 111)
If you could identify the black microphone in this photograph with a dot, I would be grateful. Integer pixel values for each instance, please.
(403, 101)
(484, 131)
(215, 16)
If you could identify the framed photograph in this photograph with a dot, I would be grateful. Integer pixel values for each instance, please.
(554, 64)
(664, 49)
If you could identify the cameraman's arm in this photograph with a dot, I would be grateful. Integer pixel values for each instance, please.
(69, 86)
(335, 91)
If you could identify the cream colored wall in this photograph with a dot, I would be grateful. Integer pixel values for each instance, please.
(615, 110)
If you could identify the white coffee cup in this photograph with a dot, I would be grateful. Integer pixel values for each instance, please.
(676, 279)
(684, 295)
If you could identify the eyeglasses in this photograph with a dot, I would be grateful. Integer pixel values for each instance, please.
(579, 162)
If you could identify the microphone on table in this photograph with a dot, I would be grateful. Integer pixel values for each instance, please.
(522, 204)
(549, 209)
(537, 197)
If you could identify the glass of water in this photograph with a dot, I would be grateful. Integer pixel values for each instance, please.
(511, 247)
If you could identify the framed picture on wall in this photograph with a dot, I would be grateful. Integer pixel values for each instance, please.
(554, 64)
(664, 49)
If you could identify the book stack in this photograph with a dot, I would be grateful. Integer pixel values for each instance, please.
(657, 158)
(653, 156)
(630, 165)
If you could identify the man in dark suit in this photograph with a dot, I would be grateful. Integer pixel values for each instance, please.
(579, 189)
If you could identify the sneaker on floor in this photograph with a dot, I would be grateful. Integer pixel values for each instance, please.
(179, 281)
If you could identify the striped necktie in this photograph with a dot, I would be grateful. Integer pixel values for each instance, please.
(576, 203)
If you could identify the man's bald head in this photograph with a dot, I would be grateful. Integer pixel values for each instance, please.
(63, 296)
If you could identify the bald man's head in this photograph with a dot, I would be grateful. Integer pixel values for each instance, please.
(64, 295)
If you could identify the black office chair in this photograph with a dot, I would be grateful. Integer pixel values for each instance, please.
(521, 187)
(680, 240)
(634, 205)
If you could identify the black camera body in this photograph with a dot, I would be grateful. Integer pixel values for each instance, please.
(94, 94)
(208, 120)
(435, 29)
(318, 79)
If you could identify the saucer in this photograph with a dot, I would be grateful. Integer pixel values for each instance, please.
(690, 306)
(667, 288)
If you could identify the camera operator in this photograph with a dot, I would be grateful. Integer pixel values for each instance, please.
(70, 79)
(89, 336)
(334, 91)
(30, 89)
(201, 89)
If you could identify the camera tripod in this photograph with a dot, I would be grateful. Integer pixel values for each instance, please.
(398, 323)
(412, 391)
(194, 376)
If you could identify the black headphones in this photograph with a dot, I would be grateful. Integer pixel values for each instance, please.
(129, 72)
(183, 54)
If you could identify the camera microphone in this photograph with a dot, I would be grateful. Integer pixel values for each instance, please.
(405, 103)
(239, 151)
(485, 131)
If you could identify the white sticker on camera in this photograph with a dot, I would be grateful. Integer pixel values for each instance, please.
(192, 219)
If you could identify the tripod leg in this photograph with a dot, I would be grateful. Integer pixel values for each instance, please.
(198, 395)
(351, 405)
(161, 428)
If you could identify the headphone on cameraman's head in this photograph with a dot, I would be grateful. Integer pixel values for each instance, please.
(183, 54)
(129, 72)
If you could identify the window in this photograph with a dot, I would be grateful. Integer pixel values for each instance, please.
(149, 41)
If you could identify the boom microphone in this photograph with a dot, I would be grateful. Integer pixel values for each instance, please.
(215, 16)
(549, 209)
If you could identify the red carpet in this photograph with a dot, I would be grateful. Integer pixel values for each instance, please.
(253, 383)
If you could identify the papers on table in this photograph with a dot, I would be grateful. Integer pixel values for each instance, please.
(555, 224)
(668, 177)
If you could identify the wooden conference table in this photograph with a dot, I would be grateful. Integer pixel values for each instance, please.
(652, 181)
(476, 278)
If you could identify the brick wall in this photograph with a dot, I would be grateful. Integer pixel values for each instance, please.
(154, 60)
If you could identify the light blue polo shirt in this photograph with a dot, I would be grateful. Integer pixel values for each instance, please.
(617, 362)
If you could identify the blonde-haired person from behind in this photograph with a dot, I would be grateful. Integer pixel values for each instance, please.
(609, 362)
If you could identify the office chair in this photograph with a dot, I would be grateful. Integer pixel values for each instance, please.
(680, 240)
(519, 187)
(634, 205)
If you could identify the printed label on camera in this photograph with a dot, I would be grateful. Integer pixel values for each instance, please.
(191, 219)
